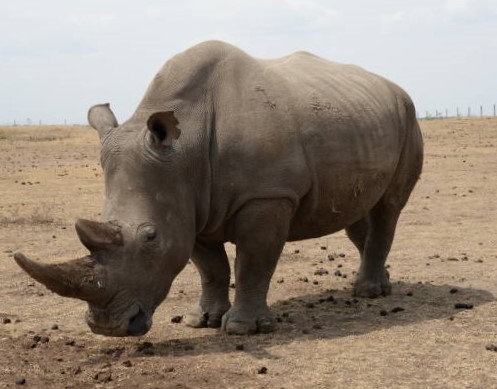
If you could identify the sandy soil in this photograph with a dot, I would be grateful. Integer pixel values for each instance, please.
(444, 253)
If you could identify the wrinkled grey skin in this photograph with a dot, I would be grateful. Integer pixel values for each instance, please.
(224, 147)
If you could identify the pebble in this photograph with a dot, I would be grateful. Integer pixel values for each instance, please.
(454, 290)
(262, 370)
(463, 306)
(239, 347)
(55, 327)
(398, 309)
(176, 319)
(6, 320)
(21, 381)
(491, 347)
(103, 376)
(127, 363)
(383, 312)
(321, 272)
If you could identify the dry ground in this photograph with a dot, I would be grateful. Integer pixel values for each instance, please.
(445, 253)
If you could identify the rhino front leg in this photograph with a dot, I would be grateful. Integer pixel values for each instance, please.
(213, 266)
(261, 229)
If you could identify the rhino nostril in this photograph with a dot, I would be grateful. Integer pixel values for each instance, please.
(138, 324)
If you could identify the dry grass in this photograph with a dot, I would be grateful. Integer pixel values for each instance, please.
(38, 133)
(40, 215)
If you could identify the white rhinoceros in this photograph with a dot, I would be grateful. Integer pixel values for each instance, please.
(225, 147)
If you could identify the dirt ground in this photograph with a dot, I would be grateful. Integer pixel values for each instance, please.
(445, 253)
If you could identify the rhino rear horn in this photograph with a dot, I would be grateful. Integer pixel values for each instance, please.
(97, 236)
(81, 278)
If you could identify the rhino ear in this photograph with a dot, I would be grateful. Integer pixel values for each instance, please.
(163, 127)
(102, 119)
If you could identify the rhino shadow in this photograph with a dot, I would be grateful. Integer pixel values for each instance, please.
(335, 314)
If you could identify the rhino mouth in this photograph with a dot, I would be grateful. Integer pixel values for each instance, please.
(137, 323)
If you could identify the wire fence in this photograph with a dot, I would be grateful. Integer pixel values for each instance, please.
(484, 111)
(460, 112)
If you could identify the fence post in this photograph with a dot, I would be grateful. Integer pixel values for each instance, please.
(494, 110)
(481, 110)
(469, 111)
(446, 113)
(457, 111)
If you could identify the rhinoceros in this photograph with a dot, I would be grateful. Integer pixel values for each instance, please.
(225, 147)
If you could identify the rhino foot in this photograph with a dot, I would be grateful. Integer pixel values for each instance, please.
(199, 317)
(372, 288)
(245, 322)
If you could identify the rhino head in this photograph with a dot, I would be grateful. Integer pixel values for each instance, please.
(147, 233)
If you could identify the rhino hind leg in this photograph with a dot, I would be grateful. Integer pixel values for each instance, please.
(261, 229)
(213, 266)
(373, 237)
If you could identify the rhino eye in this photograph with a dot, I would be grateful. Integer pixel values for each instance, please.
(148, 234)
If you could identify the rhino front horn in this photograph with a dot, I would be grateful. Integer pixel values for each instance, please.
(81, 278)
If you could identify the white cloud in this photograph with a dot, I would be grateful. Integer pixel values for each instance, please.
(456, 5)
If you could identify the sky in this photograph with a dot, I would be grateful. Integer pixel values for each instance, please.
(59, 57)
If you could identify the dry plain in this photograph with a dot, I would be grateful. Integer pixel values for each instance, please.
(445, 253)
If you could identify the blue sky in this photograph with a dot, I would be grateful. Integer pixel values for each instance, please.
(59, 57)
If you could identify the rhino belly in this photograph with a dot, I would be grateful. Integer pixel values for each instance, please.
(337, 201)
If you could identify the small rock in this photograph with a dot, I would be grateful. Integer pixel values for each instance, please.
(491, 347)
(103, 377)
(321, 272)
(169, 369)
(454, 290)
(76, 370)
(297, 251)
(262, 370)
(397, 310)
(70, 342)
(309, 305)
(6, 320)
(338, 273)
(127, 363)
(463, 306)
(232, 286)
(21, 381)
(55, 327)
(383, 312)
(341, 255)
(324, 248)
(331, 258)
(306, 331)
(280, 281)
(239, 347)
(44, 339)
(409, 294)
(176, 319)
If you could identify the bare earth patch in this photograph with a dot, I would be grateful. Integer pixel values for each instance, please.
(444, 256)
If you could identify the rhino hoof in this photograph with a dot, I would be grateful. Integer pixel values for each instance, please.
(232, 324)
(372, 289)
(197, 318)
